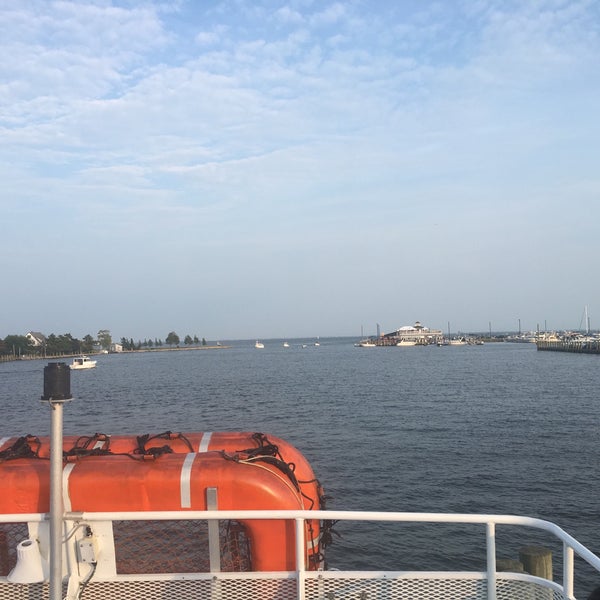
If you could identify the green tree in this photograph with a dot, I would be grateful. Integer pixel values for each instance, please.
(104, 339)
(196, 340)
(87, 343)
(172, 338)
(17, 345)
(63, 344)
(203, 342)
(188, 340)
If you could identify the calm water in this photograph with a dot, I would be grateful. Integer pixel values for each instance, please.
(499, 428)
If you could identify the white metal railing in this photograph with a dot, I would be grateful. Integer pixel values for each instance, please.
(571, 547)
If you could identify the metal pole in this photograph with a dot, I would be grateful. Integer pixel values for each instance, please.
(491, 560)
(56, 501)
(57, 391)
(300, 554)
(568, 567)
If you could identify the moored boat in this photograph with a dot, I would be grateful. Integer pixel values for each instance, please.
(82, 362)
(406, 343)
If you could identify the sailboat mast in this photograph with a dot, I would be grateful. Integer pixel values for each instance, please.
(587, 321)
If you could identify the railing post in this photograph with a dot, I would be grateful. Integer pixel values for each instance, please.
(490, 542)
(214, 545)
(568, 570)
(300, 551)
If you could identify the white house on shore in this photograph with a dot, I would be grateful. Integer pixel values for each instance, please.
(36, 338)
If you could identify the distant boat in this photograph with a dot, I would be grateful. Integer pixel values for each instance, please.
(286, 345)
(259, 344)
(82, 362)
(407, 343)
(366, 344)
(458, 342)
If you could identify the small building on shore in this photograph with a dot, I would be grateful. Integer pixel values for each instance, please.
(36, 338)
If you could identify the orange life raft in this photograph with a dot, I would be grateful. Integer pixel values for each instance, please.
(249, 471)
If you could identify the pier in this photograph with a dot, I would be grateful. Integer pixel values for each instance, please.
(578, 346)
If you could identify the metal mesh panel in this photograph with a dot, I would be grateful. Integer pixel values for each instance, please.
(394, 589)
(30, 591)
(10, 536)
(259, 589)
(507, 590)
(422, 589)
(267, 588)
(177, 547)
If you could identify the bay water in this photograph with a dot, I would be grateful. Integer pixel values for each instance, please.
(499, 428)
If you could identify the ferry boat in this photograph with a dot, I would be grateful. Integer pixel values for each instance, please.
(219, 515)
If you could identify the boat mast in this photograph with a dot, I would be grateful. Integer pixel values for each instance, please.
(587, 321)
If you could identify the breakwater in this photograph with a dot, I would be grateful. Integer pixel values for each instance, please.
(578, 346)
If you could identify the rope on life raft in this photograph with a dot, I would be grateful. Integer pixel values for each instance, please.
(88, 445)
(266, 452)
(154, 452)
(22, 448)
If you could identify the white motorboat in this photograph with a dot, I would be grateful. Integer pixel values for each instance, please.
(406, 343)
(82, 362)
(259, 344)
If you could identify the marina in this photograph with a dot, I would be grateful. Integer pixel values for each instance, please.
(438, 451)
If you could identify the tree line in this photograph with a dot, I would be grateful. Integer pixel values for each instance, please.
(21, 345)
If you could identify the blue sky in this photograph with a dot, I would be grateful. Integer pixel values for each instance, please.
(235, 169)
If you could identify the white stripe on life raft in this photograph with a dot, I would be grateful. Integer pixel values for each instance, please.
(205, 441)
(65, 483)
(186, 478)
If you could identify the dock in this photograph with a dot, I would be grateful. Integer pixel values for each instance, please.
(577, 346)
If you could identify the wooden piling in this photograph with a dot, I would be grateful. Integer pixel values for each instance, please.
(509, 565)
(537, 561)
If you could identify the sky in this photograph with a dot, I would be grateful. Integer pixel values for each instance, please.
(297, 168)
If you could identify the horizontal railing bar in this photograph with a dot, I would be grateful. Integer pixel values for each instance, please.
(333, 515)
(24, 518)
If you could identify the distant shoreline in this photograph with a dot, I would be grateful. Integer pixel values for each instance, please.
(10, 358)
